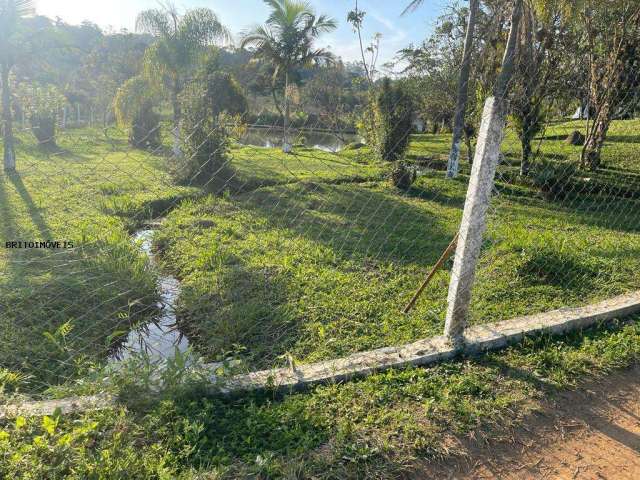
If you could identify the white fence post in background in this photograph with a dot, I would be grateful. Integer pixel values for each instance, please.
(474, 219)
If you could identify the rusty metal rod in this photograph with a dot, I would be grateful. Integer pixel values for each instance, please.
(443, 258)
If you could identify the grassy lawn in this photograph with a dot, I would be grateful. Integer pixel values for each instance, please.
(314, 270)
(372, 428)
(256, 166)
(62, 308)
(313, 258)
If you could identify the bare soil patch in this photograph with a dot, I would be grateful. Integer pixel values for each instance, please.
(590, 433)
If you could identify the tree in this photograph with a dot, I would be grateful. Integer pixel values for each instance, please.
(612, 30)
(113, 61)
(531, 80)
(286, 40)
(213, 105)
(333, 97)
(463, 91)
(605, 33)
(11, 12)
(386, 123)
(133, 106)
(356, 18)
(463, 85)
(180, 39)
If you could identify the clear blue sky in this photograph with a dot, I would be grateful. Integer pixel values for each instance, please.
(382, 16)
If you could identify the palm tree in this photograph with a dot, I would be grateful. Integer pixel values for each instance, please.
(463, 84)
(286, 41)
(181, 39)
(11, 11)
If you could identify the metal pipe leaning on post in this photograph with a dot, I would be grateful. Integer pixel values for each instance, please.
(443, 258)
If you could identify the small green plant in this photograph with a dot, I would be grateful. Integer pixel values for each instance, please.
(555, 180)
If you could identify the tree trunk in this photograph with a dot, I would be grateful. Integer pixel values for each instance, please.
(592, 150)
(177, 114)
(525, 163)
(467, 139)
(463, 92)
(286, 146)
(275, 101)
(9, 149)
(530, 78)
(508, 61)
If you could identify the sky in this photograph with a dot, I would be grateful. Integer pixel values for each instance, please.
(382, 16)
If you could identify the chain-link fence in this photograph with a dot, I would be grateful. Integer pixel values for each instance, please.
(243, 234)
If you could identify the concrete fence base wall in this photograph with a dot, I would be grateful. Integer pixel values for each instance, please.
(478, 339)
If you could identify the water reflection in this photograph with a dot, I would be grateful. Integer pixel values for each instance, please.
(160, 337)
(272, 137)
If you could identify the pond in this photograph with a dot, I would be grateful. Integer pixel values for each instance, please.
(322, 140)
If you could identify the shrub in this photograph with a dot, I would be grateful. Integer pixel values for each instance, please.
(133, 106)
(145, 131)
(555, 180)
(43, 126)
(41, 104)
(212, 108)
(386, 124)
(575, 138)
(402, 176)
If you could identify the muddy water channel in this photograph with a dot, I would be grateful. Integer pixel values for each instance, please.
(160, 337)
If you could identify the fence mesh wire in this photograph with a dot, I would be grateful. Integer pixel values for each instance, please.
(259, 258)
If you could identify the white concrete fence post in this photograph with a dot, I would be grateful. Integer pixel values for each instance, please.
(474, 219)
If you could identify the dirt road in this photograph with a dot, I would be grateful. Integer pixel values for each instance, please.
(591, 433)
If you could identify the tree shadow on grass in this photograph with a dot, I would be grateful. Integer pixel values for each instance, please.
(8, 224)
(32, 208)
(357, 222)
(44, 289)
(238, 307)
(623, 138)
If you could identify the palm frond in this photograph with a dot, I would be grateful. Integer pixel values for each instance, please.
(324, 24)
(256, 36)
(154, 22)
(412, 7)
(201, 27)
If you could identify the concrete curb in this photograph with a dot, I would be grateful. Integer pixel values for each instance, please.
(64, 405)
(478, 339)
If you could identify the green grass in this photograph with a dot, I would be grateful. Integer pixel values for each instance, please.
(313, 258)
(316, 271)
(62, 309)
(256, 166)
(370, 428)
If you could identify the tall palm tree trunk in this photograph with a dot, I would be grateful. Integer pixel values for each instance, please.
(177, 114)
(286, 146)
(530, 111)
(9, 149)
(463, 92)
